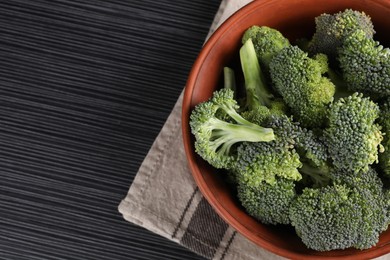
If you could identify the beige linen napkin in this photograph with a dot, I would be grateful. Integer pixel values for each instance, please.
(165, 199)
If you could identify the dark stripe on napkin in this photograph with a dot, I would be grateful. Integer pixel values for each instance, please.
(184, 212)
(202, 237)
(228, 245)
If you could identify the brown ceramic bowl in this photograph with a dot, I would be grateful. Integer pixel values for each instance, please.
(295, 19)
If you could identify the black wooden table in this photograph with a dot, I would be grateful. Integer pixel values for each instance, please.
(85, 86)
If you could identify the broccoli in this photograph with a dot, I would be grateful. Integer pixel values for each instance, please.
(363, 180)
(337, 217)
(365, 65)
(300, 81)
(262, 162)
(268, 203)
(353, 137)
(384, 121)
(295, 151)
(216, 136)
(229, 79)
(257, 93)
(311, 149)
(332, 29)
(260, 103)
(267, 42)
(266, 172)
(369, 185)
(301, 146)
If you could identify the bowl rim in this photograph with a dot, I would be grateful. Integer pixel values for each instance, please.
(196, 173)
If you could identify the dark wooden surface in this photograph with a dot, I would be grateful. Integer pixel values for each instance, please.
(85, 87)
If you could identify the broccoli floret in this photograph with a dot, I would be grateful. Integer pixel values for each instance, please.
(283, 157)
(311, 149)
(216, 137)
(267, 41)
(257, 115)
(309, 146)
(258, 162)
(300, 82)
(369, 185)
(365, 65)
(278, 107)
(353, 137)
(263, 162)
(362, 181)
(384, 121)
(268, 203)
(336, 217)
(332, 29)
(258, 98)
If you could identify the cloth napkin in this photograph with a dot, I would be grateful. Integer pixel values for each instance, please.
(164, 197)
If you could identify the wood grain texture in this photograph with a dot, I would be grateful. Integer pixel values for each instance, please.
(85, 87)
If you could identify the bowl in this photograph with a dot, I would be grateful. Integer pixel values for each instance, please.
(295, 19)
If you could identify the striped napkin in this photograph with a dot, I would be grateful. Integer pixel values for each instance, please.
(165, 199)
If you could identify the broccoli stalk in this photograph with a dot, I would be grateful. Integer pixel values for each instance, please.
(257, 93)
(229, 79)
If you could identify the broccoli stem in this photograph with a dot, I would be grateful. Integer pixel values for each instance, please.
(229, 133)
(319, 176)
(229, 79)
(256, 88)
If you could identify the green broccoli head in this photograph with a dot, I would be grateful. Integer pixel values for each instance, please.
(332, 29)
(258, 115)
(268, 203)
(267, 41)
(336, 217)
(384, 121)
(300, 82)
(278, 107)
(264, 162)
(370, 186)
(311, 149)
(261, 114)
(365, 64)
(218, 127)
(363, 180)
(353, 137)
